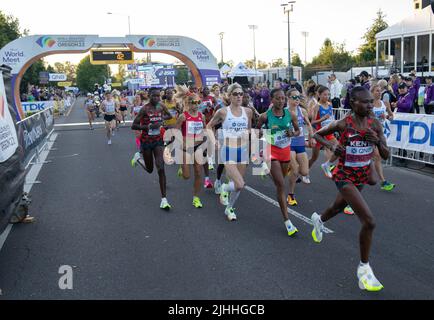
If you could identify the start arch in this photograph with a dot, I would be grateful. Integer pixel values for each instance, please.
(21, 53)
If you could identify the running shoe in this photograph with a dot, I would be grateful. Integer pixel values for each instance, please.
(327, 171)
(217, 187)
(290, 228)
(197, 203)
(317, 227)
(367, 279)
(208, 184)
(387, 186)
(230, 214)
(135, 159)
(210, 164)
(165, 205)
(348, 210)
(305, 179)
(109, 142)
(291, 200)
(113, 133)
(224, 198)
(180, 172)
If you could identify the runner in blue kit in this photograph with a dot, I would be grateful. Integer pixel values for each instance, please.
(360, 132)
(382, 113)
(234, 146)
(299, 158)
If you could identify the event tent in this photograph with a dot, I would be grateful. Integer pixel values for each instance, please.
(240, 70)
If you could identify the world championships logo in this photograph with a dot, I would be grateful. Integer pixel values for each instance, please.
(147, 42)
(46, 41)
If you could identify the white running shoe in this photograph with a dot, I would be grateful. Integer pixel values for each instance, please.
(317, 227)
(367, 279)
(113, 133)
(327, 171)
(290, 228)
(305, 179)
(230, 214)
(217, 187)
(135, 159)
(165, 204)
(109, 142)
(224, 198)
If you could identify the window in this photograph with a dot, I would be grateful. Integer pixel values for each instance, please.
(383, 51)
(409, 48)
(422, 53)
(395, 53)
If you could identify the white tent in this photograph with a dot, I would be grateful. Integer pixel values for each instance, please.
(421, 21)
(240, 70)
(224, 70)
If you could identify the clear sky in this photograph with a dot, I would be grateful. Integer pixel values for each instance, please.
(341, 20)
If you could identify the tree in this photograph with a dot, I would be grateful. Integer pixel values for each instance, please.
(89, 74)
(262, 65)
(67, 68)
(230, 63)
(120, 76)
(250, 64)
(367, 51)
(9, 29)
(334, 56)
(31, 76)
(296, 60)
(182, 76)
(278, 63)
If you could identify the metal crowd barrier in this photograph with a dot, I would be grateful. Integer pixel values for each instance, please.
(395, 153)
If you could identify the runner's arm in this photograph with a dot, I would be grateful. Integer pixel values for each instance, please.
(294, 121)
(376, 136)
(335, 126)
(136, 123)
(166, 112)
(262, 119)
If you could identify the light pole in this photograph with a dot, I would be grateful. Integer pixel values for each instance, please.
(254, 27)
(305, 34)
(287, 8)
(124, 15)
(221, 43)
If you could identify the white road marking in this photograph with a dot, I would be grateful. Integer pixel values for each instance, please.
(290, 211)
(85, 124)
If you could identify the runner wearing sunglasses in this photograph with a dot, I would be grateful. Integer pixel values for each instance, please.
(192, 123)
(280, 125)
(299, 158)
(150, 122)
(234, 145)
(360, 132)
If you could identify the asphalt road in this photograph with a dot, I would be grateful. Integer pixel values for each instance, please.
(100, 216)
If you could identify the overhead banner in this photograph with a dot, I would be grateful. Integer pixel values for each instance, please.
(8, 134)
(156, 75)
(36, 106)
(411, 132)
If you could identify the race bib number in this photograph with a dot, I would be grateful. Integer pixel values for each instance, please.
(154, 132)
(358, 156)
(194, 127)
(281, 140)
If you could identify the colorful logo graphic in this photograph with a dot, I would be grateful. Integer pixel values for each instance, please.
(46, 41)
(147, 42)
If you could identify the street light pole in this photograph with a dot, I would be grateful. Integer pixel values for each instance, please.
(254, 27)
(118, 14)
(221, 43)
(287, 10)
(305, 34)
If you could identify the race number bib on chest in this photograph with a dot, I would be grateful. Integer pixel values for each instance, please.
(194, 127)
(358, 154)
(281, 139)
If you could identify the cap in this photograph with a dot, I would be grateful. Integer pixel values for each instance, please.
(402, 85)
(364, 74)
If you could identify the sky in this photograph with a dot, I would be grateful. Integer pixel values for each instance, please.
(343, 21)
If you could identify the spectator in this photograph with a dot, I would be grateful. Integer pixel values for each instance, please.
(405, 102)
(350, 85)
(296, 85)
(429, 95)
(364, 80)
(394, 83)
(335, 88)
(387, 95)
(414, 90)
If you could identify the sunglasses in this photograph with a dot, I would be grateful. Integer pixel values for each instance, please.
(237, 94)
(195, 102)
(295, 97)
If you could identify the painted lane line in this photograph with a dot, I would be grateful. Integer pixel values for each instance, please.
(290, 211)
(84, 124)
(28, 183)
